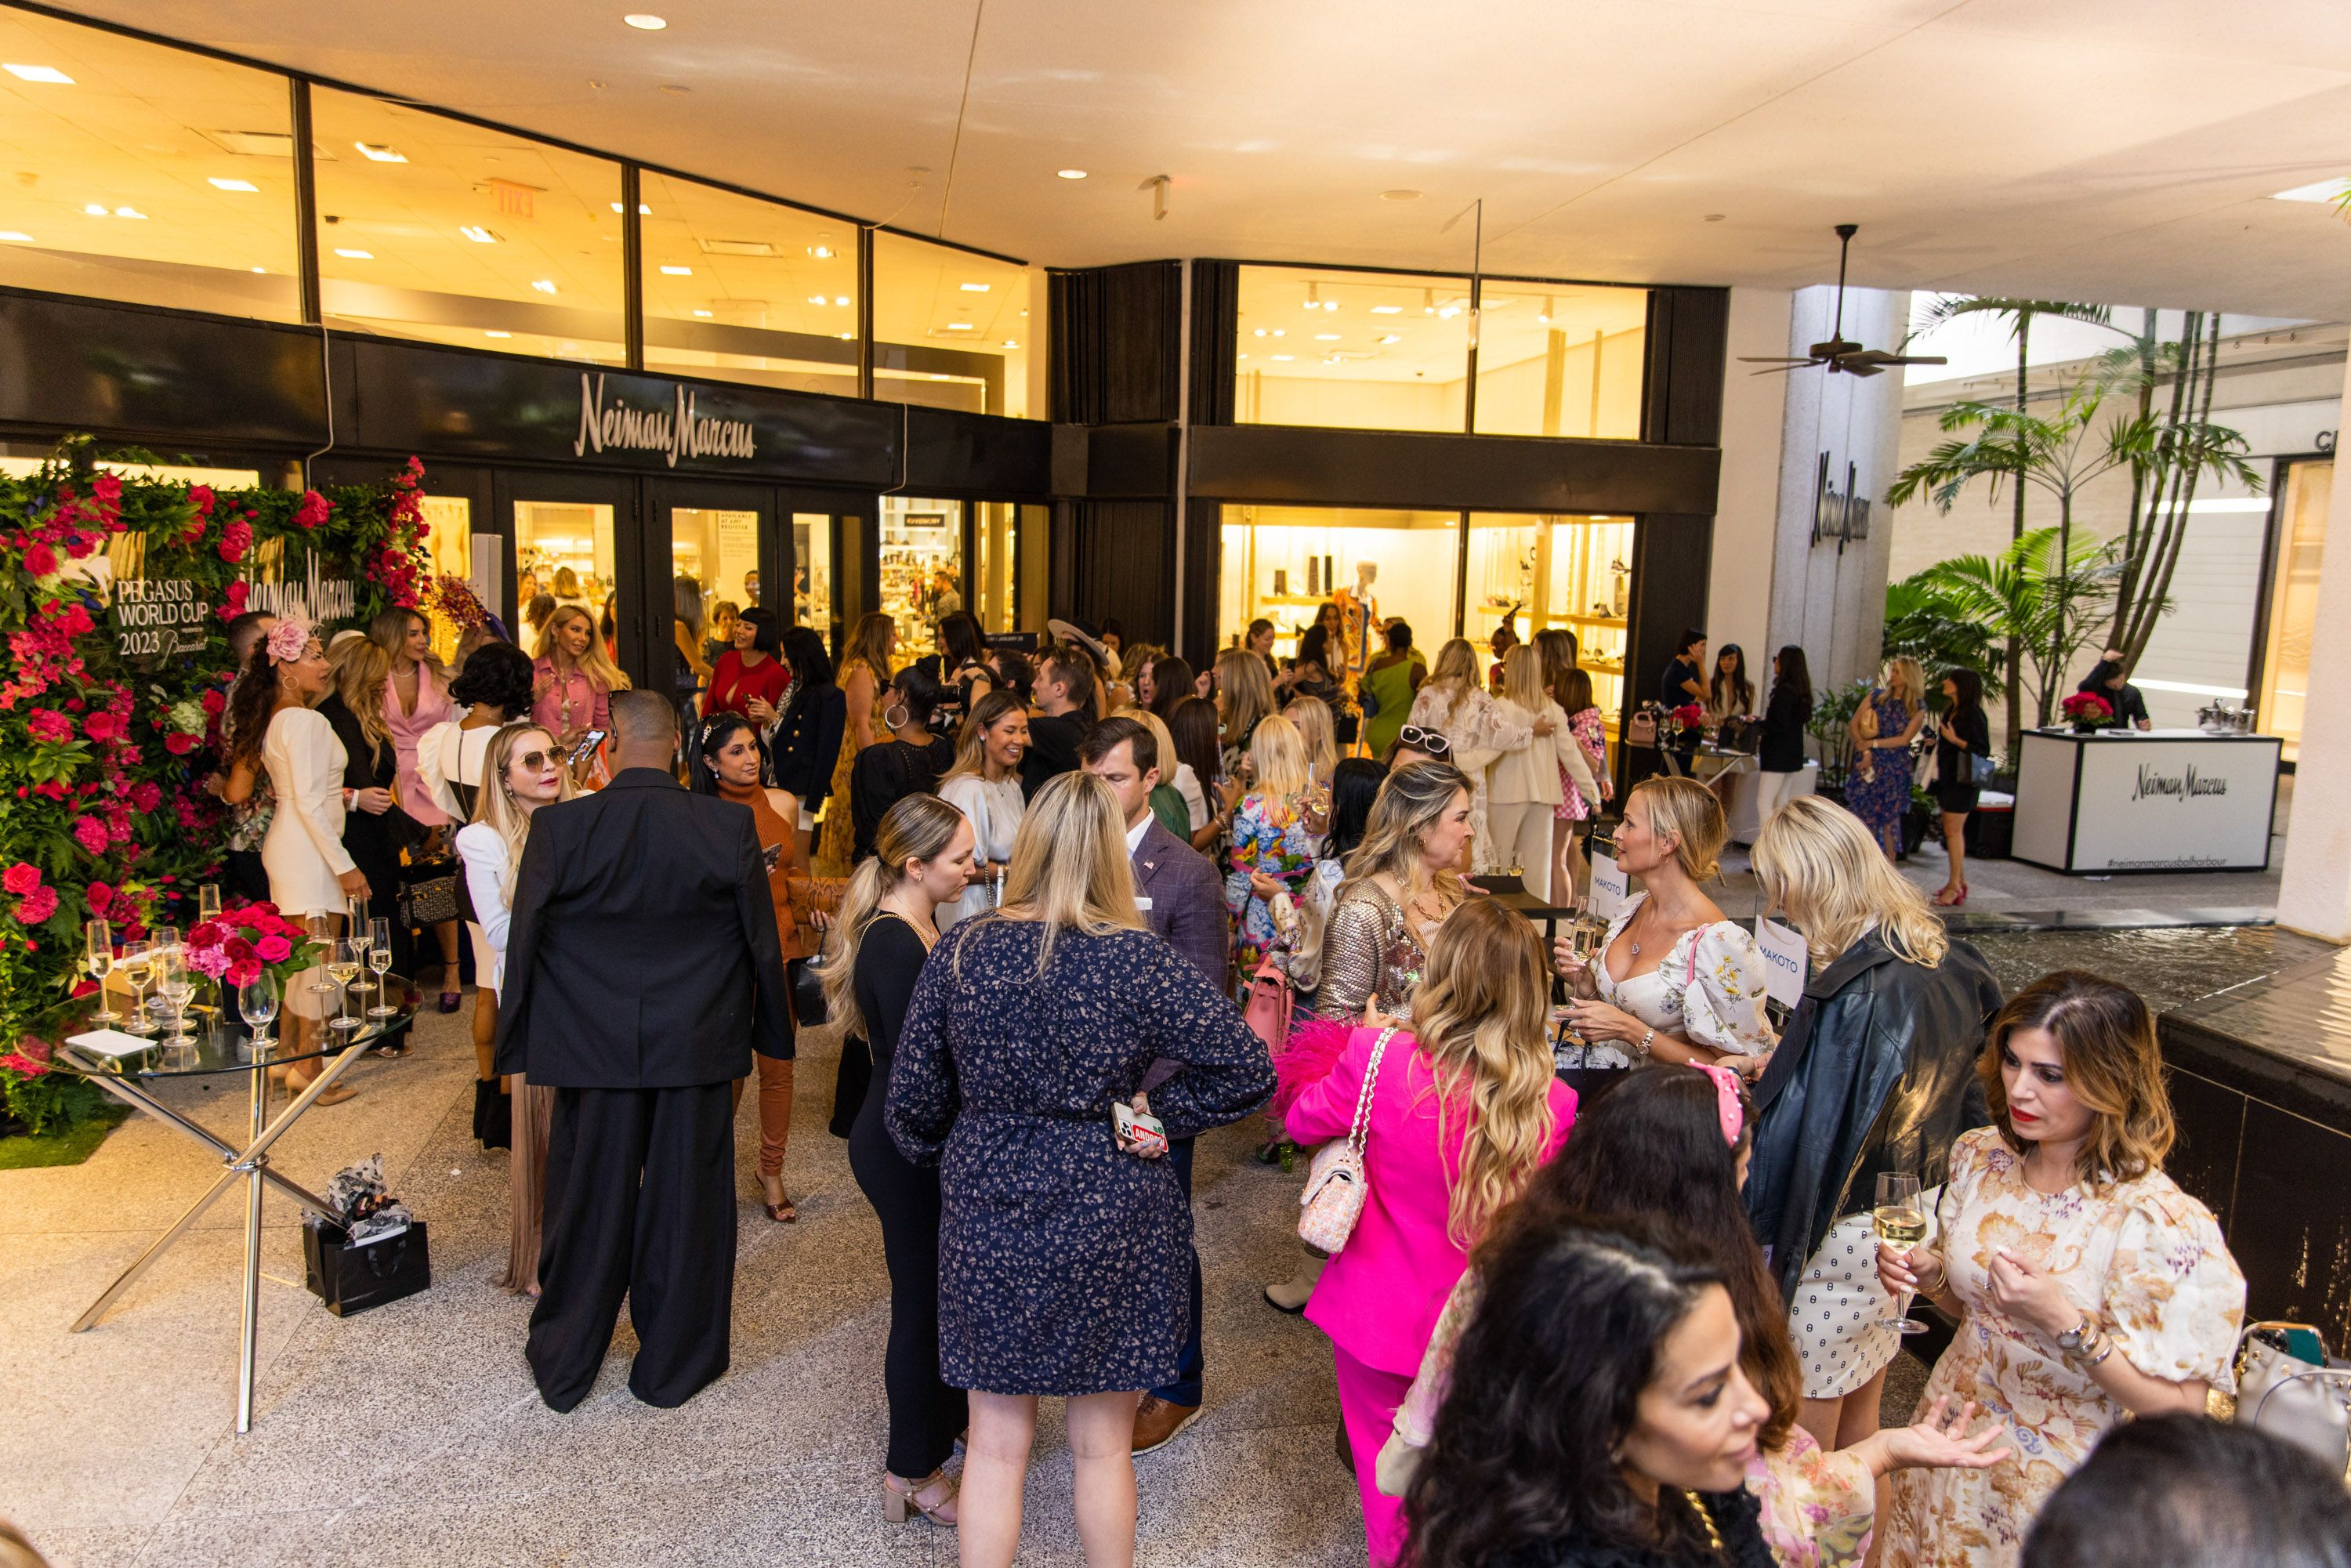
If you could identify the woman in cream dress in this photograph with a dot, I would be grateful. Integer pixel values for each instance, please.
(1453, 701)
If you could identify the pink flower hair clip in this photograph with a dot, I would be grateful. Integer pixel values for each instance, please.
(289, 638)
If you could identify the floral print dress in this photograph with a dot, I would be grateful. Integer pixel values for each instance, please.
(2142, 1260)
(1272, 839)
(1586, 728)
(1709, 990)
(1881, 799)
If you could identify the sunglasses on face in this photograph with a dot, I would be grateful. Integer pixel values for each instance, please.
(1418, 739)
(535, 760)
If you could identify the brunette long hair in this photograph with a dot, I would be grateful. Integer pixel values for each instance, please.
(250, 701)
(2106, 1039)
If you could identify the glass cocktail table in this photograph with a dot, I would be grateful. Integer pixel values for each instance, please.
(135, 1077)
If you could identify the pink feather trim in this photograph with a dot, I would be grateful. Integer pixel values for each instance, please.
(1313, 1048)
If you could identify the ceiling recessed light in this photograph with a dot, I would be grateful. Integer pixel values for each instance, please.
(18, 237)
(1391, 338)
(1326, 336)
(1387, 309)
(493, 333)
(128, 213)
(1285, 359)
(1071, 174)
(598, 86)
(643, 211)
(2323, 191)
(942, 378)
(477, 233)
(840, 299)
(39, 73)
(1281, 332)
(1258, 332)
(821, 252)
(354, 255)
(219, 184)
(703, 313)
(1449, 312)
(1244, 356)
(263, 270)
(645, 21)
(544, 285)
(96, 211)
(975, 288)
(677, 272)
(960, 327)
(1399, 195)
(1009, 343)
(377, 153)
(816, 300)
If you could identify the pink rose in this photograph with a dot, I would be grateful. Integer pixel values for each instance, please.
(36, 905)
(21, 879)
(234, 540)
(312, 511)
(100, 898)
(49, 723)
(204, 934)
(243, 972)
(274, 950)
(90, 834)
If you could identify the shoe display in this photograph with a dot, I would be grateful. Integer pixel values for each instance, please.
(1158, 1423)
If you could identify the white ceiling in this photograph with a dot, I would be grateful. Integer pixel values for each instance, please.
(2119, 150)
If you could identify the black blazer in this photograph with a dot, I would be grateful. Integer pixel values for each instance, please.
(808, 742)
(1781, 748)
(643, 951)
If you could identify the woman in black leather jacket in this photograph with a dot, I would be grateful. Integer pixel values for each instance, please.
(1875, 1072)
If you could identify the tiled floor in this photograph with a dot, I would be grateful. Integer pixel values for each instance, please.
(411, 1434)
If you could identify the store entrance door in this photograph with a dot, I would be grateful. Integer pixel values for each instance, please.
(820, 553)
(721, 548)
(578, 540)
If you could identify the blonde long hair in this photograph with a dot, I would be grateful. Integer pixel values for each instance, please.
(389, 631)
(1312, 718)
(1818, 865)
(1247, 693)
(1408, 805)
(1523, 679)
(592, 663)
(870, 639)
(1070, 868)
(361, 667)
(1456, 674)
(1278, 765)
(495, 804)
(1692, 813)
(1481, 1019)
(1904, 672)
(919, 827)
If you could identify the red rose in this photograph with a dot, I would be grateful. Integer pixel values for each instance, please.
(102, 728)
(107, 488)
(100, 898)
(36, 905)
(214, 702)
(49, 723)
(274, 950)
(204, 934)
(180, 745)
(202, 494)
(21, 879)
(243, 972)
(238, 949)
(312, 511)
(234, 540)
(40, 560)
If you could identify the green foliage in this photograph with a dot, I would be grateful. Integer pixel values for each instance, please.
(1832, 709)
(50, 1102)
(1924, 624)
(2053, 608)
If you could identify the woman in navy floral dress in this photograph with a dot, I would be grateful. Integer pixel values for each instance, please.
(1882, 751)
(1064, 1256)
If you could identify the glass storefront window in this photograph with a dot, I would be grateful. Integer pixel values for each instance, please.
(812, 580)
(714, 555)
(1281, 563)
(921, 570)
(2293, 604)
(564, 550)
(1361, 350)
(1572, 571)
(952, 329)
(450, 544)
(996, 576)
(433, 229)
(144, 175)
(1561, 360)
(744, 290)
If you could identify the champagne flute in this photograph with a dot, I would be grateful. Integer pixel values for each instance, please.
(363, 936)
(321, 930)
(208, 901)
(343, 961)
(378, 958)
(138, 958)
(175, 983)
(97, 939)
(1900, 1219)
(257, 1000)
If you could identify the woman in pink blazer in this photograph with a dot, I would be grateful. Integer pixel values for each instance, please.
(1462, 1112)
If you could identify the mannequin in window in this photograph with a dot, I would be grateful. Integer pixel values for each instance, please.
(1359, 611)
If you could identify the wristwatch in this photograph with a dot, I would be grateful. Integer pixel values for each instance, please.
(1642, 1050)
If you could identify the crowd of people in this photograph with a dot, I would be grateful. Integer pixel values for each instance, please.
(1609, 1279)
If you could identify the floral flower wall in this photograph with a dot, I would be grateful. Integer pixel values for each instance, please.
(104, 760)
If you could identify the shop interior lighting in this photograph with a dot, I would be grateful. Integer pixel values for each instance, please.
(840, 299)
(378, 152)
(705, 314)
(544, 285)
(821, 252)
(1071, 174)
(1448, 312)
(1008, 343)
(354, 255)
(975, 288)
(17, 236)
(1281, 332)
(643, 211)
(677, 272)
(219, 184)
(94, 210)
(1387, 309)
(493, 333)
(128, 213)
(960, 327)
(816, 300)
(260, 270)
(39, 73)
(645, 21)
(1284, 359)
(477, 233)
(1326, 336)
(1391, 338)
(849, 337)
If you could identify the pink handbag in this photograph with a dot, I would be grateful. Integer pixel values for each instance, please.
(1270, 1002)
(1337, 1183)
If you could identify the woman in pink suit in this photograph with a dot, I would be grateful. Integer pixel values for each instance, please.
(415, 698)
(1462, 1112)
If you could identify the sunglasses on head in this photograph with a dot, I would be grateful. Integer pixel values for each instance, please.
(1418, 739)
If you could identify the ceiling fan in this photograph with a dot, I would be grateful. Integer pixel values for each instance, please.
(1840, 354)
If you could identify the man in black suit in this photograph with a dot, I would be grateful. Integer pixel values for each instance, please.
(642, 967)
(1181, 899)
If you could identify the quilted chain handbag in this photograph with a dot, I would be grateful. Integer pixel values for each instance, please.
(1336, 1183)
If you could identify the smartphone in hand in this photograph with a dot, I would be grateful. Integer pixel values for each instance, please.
(771, 854)
(586, 746)
(1143, 1136)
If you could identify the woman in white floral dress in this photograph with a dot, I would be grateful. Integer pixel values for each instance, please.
(1674, 980)
(2088, 1286)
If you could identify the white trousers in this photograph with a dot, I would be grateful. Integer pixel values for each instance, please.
(1771, 792)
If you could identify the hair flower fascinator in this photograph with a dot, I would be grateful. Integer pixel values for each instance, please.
(289, 638)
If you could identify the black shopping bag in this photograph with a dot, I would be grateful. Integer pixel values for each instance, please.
(352, 1278)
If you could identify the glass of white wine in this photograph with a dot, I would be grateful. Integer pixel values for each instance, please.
(257, 1000)
(362, 932)
(378, 958)
(1900, 1221)
(343, 961)
(208, 901)
(138, 958)
(321, 931)
(175, 983)
(97, 950)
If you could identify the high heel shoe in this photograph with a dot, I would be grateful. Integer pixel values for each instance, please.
(1953, 902)
(898, 1495)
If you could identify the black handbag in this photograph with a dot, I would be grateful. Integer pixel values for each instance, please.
(428, 892)
(808, 992)
(351, 1279)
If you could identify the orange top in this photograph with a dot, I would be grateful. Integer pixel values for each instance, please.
(797, 894)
